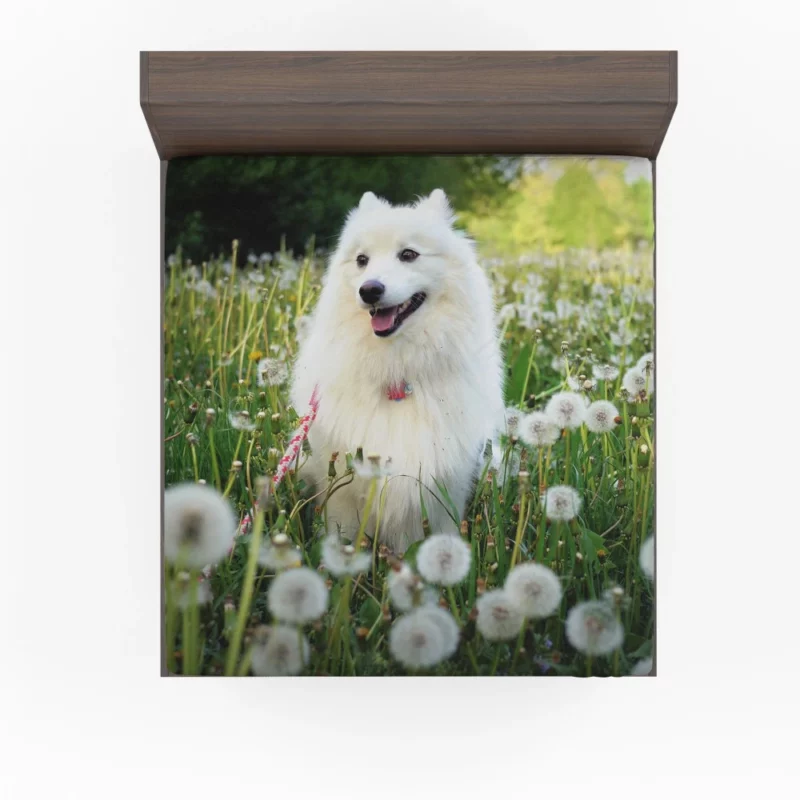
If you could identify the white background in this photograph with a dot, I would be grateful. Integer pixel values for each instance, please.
(83, 712)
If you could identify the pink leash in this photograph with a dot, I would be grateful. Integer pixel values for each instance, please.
(293, 448)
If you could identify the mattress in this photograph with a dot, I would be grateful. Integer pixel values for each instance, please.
(409, 413)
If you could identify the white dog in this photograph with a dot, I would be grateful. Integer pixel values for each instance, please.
(403, 351)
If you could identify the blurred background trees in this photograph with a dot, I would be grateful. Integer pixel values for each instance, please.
(509, 204)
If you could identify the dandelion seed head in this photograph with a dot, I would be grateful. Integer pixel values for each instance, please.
(642, 668)
(302, 327)
(371, 467)
(202, 592)
(592, 628)
(647, 364)
(271, 372)
(635, 382)
(444, 559)
(537, 429)
(534, 590)
(562, 503)
(205, 288)
(601, 416)
(647, 557)
(623, 335)
(444, 621)
(199, 525)
(342, 559)
(605, 372)
(279, 650)
(507, 312)
(514, 417)
(298, 596)
(240, 420)
(417, 639)
(280, 553)
(581, 384)
(406, 589)
(566, 409)
(498, 618)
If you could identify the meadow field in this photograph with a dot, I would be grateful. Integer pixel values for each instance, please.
(568, 486)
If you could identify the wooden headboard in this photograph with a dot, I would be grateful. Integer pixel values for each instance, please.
(605, 103)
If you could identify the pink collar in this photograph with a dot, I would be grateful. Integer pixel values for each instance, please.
(399, 391)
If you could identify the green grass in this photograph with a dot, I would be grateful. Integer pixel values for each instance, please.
(217, 327)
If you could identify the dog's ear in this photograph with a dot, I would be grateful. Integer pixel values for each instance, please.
(437, 203)
(369, 200)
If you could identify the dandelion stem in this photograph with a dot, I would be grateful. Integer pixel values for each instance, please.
(496, 658)
(190, 626)
(367, 510)
(232, 476)
(523, 500)
(528, 372)
(518, 646)
(214, 464)
(473, 660)
(171, 614)
(453, 605)
(247, 593)
(342, 612)
(194, 464)
(244, 666)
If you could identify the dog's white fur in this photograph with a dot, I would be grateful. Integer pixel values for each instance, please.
(447, 350)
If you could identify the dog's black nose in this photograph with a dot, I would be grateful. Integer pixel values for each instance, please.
(371, 291)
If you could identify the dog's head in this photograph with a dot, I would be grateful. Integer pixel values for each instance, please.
(394, 263)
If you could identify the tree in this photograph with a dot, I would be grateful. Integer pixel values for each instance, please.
(261, 200)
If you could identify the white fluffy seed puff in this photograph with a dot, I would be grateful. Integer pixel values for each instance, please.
(448, 627)
(592, 628)
(444, 559)
(642, 668)
(342, 559)
(601, 416)
(271, 372)
(647, 364)
(534, 590)
(280, 553)
(498, 617)
(636, 382)
(566, 409)
(513, 419)
(647, 557)
(423, 637)
(298, 596)
(190, 594)
(199, 525)
(279, 651)
(406, 590)
(562, 503)
(605, 372)
(537, 429)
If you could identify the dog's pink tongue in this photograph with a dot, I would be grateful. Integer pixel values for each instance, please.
(384, 318)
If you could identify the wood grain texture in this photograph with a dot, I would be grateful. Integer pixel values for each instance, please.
(617, 103)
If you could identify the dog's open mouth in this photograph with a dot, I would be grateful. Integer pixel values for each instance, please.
(385, 321)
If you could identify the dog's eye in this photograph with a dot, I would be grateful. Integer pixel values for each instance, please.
(362, 260)
(408, 255)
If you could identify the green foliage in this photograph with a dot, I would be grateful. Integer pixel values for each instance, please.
(264, 200)
(568, 203)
